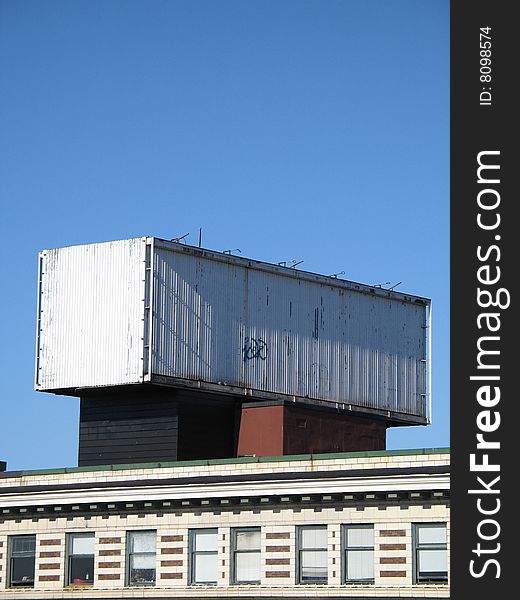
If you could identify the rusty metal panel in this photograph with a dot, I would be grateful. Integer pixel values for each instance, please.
(91, 315)
(258, 327)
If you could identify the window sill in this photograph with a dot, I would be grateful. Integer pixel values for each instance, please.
(21, 587)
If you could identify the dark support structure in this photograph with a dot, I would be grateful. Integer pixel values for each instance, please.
(276, 429)
(139, 424)
(126, 429)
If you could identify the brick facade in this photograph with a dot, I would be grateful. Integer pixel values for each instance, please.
(278, 513)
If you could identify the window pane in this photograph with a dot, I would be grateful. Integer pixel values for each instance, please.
(22, 571)
(360, 564)
(314, 574)
(82, 544)
(314, 537)
(22, 549)
(313, 565)
(205, 540)
(143, 561)
(142, 569)
(360, 536)
(433, 561)
(142, 541)
(248, 540)
(142, 576)
(431, 535)
(312, 558)
(26, 543)
(205, 568)
(247, 567)
(81, 570)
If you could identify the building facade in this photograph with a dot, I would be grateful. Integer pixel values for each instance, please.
(348, 525)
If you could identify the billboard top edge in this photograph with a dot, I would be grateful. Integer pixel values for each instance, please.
(283, 271)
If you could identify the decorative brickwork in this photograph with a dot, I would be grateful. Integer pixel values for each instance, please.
(171, 551)
(277, 561)
(172, 538)
(285, 535)
(109, 565)
(392, 560)
(50, 566)
(277, 548)
(50, 542)
(171, 575)
(385, 547)
(110, 553)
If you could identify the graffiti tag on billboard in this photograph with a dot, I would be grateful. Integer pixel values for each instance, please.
(255, 348)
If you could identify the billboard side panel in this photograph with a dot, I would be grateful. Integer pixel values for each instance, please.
(197, 318)
(231, 322)
(91, 310)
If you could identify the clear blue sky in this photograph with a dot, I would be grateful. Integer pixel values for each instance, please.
(291, 129)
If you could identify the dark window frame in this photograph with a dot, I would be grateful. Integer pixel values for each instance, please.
(69, 557)
(130, 555)
(14, 554)
(235, 552)
(345, 549)
(437, 546)
(300, 550)
(192, 534)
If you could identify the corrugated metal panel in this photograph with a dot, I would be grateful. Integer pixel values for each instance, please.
(91, 307)
(244, 324)
(226, 321)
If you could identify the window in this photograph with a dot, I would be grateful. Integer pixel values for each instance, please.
(80, 558)
(358, 553)
(141, 557)
(22, 551)
(246, 555)
(203, 556)
(430, 553)
(312, 554)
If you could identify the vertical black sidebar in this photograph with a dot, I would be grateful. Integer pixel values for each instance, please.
(485, 263)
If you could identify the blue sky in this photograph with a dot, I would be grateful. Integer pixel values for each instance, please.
(291, 129)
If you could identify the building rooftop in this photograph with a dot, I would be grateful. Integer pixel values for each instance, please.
(247, 479)
(229, 461)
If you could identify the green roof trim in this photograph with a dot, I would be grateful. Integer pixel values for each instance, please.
(226, 461)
